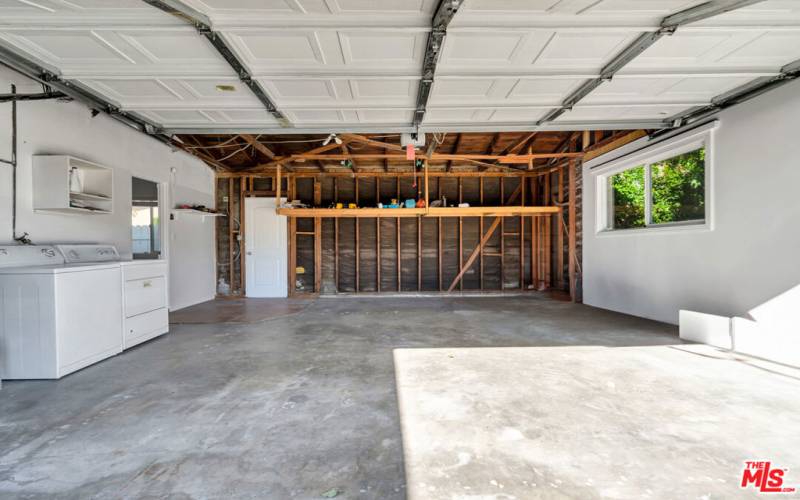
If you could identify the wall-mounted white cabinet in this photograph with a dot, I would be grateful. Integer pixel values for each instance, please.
(69, 185)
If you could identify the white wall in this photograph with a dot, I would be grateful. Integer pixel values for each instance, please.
(749, 257)
(50, 127)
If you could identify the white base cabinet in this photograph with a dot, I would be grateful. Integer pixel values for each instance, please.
(144, 295)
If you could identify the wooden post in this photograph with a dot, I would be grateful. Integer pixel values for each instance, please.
(427, 204)
(278, 186)
(573, 291)
(480, 230)
(317, 254)
(522, 239)
(502, 236)
(419, 253)
(357, 221)
(336, 252)
(399, 264)
(560, 231)
(377, 253)
(460, 234)
(292, 254)
(548, 243)
(439, 235)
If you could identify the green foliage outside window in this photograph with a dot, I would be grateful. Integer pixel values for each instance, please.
(678, 186)
(677, 192)
(628, 192)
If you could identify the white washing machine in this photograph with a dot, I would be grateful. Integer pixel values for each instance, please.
(60, 311)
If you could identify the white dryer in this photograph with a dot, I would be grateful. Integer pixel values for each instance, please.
(58, 312)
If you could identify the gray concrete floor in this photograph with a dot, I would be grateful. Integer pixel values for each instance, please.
(503, 398)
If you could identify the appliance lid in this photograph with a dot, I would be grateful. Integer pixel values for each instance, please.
(76, 254)
(29, 255)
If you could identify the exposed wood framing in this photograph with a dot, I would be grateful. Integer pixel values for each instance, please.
(475, 253)
(258, 146)
(614, 142)
(572, 231)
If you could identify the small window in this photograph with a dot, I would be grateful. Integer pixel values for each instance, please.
(145, 221)
(627, 190)
(667, 191)
(679, 187)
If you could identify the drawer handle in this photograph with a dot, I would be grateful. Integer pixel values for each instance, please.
(147, 284)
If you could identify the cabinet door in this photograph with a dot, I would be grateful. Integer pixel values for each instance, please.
(88, 317)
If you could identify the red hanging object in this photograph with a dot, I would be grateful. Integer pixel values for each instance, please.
(410, 152)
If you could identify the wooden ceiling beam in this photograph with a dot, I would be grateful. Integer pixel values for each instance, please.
(371, 142)
(510, 172)
(456, 145)
(258, 146)
(208, 158)
(347, 152)
(517, 146)
(510, 159)
(615, 141)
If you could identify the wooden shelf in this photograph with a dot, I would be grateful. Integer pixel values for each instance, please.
(418, 212)
(490, 211)
(351, 212)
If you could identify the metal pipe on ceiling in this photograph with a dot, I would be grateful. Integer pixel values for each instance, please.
(10, 59)
(668, 27)
(203, 26)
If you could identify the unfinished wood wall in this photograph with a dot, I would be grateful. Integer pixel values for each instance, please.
(361, 255)
(409, 254)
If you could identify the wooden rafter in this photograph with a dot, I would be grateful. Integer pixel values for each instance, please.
(371, 142)
(517, 146)
(206, 157)
(456, 145)
(615, 141)
(505, 159)
(352, 161)
(562, 147)
(258, 146)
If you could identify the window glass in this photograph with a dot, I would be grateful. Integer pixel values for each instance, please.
(145, 222)
(678, 188)
(627, 198)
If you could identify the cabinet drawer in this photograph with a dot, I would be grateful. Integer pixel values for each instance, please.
(145, 295)
(145, 326)
(138, 271)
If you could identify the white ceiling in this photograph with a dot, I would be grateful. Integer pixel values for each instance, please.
(355, 64)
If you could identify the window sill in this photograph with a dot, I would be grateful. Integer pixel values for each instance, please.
(677, 227)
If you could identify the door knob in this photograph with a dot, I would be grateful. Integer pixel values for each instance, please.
(249, 253)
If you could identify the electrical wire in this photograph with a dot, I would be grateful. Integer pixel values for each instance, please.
(234, 153)
(219, 146)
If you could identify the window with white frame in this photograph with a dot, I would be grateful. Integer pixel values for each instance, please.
(665, 189)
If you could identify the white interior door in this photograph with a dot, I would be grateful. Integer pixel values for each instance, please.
(266, 249)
